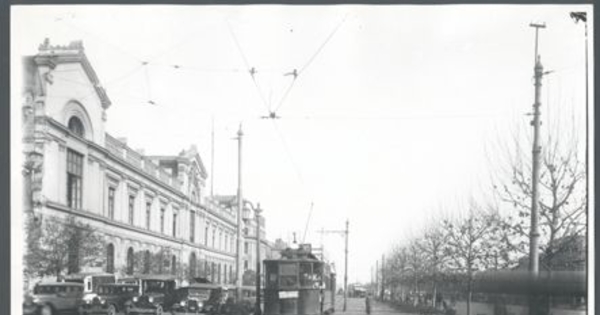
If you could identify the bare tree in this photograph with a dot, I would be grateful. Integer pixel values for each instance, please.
(433, 245)
(562, 201)
(469, 246)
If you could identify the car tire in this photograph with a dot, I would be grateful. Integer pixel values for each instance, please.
(112, 310)
(46, 310)
(159, 310)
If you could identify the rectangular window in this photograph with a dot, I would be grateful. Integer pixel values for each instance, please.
(245, 265)
(246, 248)
(74, 179)
(162, 220)
(206, 235)
(131, 208)
(148, 211)
(111, 203)
(192, 225)
(174, 224)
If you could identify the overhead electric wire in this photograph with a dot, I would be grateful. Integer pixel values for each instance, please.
(252, 71)
(307, 221)
(81, 29)
(323, 45)
(310, 60)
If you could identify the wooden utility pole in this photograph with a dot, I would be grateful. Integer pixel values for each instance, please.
(382, 277)
(345, 233)
(258, 310)
(536, 151)
(240, 204)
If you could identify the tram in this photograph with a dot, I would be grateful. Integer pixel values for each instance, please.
(299, 284)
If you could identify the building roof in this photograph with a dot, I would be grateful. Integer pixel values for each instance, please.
(52, 55)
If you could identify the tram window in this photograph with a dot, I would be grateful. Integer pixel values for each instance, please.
(288, 275)
(272, 271)
(306, 275)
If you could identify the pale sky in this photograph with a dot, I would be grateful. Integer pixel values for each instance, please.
(387, 122)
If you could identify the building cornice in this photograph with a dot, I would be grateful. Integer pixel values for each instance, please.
(124, 226)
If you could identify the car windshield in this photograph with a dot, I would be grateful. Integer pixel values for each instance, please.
(199, 293)
(157, 286)
(49, 289)
(108, 289)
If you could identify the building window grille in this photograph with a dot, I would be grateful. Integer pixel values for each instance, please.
(175, 224)
(76, 126)
(74, 179)
(111, 203)
(192, 226)
(131, 208)
(162, 220)
(214, 235)
(110, 258)
(206, 235)
(147, 262)
(219, 273)
(174, 265)
(130, 261)
(148, 210)
(193, 265)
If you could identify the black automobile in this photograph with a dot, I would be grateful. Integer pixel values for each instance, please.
(198, 298)
(57, 297)
(158, 292)
(29, 307)
(111, 298)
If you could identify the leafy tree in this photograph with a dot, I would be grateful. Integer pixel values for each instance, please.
(56, 246)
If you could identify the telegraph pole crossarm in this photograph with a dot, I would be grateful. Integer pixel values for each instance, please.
(345, 233)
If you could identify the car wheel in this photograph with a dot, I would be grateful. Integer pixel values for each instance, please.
(112, 310)
(46, 310)
(159, 310)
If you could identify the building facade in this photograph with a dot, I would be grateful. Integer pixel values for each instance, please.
(144, 207)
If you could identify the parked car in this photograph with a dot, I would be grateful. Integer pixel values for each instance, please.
(111, 298)
(157, 292)
(29, 307)
(197, 298)
(58, 297)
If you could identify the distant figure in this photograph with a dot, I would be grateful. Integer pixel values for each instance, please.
(368, 304)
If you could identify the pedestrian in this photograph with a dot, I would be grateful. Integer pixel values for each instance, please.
(368, 304)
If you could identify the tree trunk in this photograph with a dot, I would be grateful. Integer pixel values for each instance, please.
(434, 294)
(469, 295)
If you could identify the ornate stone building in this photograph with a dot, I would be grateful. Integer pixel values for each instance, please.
(144, 206)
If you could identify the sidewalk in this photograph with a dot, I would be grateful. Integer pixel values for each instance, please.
(356, 306)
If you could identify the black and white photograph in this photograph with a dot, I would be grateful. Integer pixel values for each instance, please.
(281, 159)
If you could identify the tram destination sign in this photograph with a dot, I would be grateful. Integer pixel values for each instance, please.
(288, 294)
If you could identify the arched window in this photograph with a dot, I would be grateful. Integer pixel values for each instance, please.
(174, 265)
(76, 126)
(110, 258)
(130, 261)
(147, 262)
(193, 265)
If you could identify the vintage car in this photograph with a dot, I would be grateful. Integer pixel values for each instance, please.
(57, 297)
(111, 298)
(157, 292)
(29, 307)
(199, 298)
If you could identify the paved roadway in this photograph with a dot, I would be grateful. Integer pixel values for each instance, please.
(356, 306)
